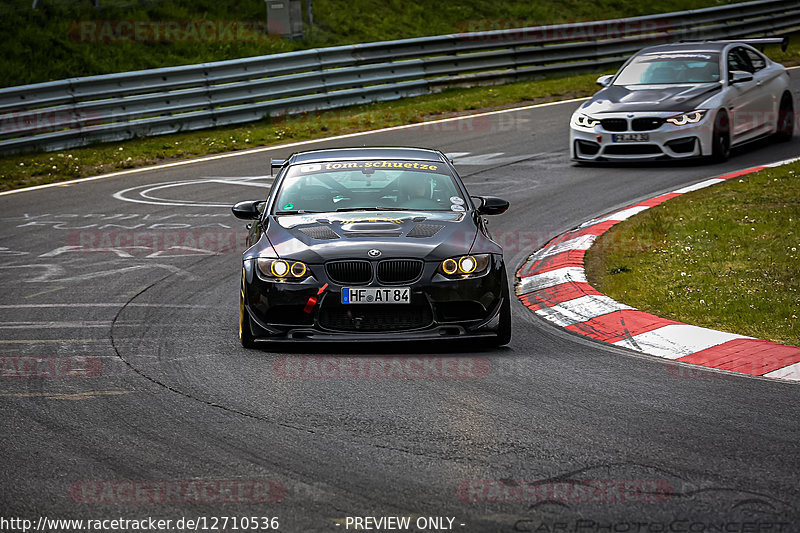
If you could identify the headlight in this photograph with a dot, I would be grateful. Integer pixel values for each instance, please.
(466, 266)
(585, 121)
(687, 118)
(282, 269)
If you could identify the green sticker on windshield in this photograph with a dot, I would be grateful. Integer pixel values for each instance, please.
(288, 206)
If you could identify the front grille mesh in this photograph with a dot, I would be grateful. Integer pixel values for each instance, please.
(374, 317)
(632, 149)
(349, 272)
(647, 123)
(399, 270)
(614, 124)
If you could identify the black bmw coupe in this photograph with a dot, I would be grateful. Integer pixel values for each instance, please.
(376, 244)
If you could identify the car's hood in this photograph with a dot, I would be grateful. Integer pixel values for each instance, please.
(652, 98)
(319, 237)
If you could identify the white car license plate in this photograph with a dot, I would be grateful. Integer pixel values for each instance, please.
(376, 295)
(630, 137)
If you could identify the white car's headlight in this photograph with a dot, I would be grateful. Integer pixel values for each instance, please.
(687, 118)
(584, 121)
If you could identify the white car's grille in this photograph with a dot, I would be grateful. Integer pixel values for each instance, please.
(614, 124)
(647, 123)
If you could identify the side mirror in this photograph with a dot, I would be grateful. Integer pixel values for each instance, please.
(491, 205)
(605, 81)
(247, 210)
(738, 76)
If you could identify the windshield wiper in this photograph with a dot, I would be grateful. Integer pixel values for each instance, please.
(379, 208)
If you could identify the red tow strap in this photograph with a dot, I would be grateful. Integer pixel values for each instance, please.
(313, 300)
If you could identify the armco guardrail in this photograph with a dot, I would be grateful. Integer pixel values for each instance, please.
(78, 111)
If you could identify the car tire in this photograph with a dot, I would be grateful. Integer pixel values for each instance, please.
(245, 330)
(504, 328)
(721, 138)
(785, 125)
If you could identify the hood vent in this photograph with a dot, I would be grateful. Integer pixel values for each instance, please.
(321, 233)
(422, 231)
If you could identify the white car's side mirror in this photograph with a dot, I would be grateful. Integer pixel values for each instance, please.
(605, 81)
(739, 76)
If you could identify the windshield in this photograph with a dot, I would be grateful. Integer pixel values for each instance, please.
(369, 185)
(661, 68)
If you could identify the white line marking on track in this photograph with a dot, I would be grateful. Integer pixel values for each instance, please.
(56, 325)
(52, 341)
(56, 270)
(50, 270)
(63, 395)
(145, 191)
(105, 304)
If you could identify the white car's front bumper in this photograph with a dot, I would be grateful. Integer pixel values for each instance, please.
(666, 141)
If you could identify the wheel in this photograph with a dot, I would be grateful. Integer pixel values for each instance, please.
(721, 139)
(245, 331)
(785, 128)
(504, 329)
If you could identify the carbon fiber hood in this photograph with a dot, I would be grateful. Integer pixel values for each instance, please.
(652, 98)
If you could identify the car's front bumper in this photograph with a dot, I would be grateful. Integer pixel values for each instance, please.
(666, 142)
(439, 309)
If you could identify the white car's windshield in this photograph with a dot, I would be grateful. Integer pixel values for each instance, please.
(371, 185)
(670, 68)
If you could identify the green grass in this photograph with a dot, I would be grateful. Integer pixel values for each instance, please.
(725, 257)
(37, 45)
(40, 168)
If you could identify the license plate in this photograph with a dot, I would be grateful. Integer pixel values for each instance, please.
(630, 137)
(376, 295)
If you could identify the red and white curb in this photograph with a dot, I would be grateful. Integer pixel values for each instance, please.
(552, 283)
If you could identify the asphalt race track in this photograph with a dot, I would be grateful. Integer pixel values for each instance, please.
(594, 438)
